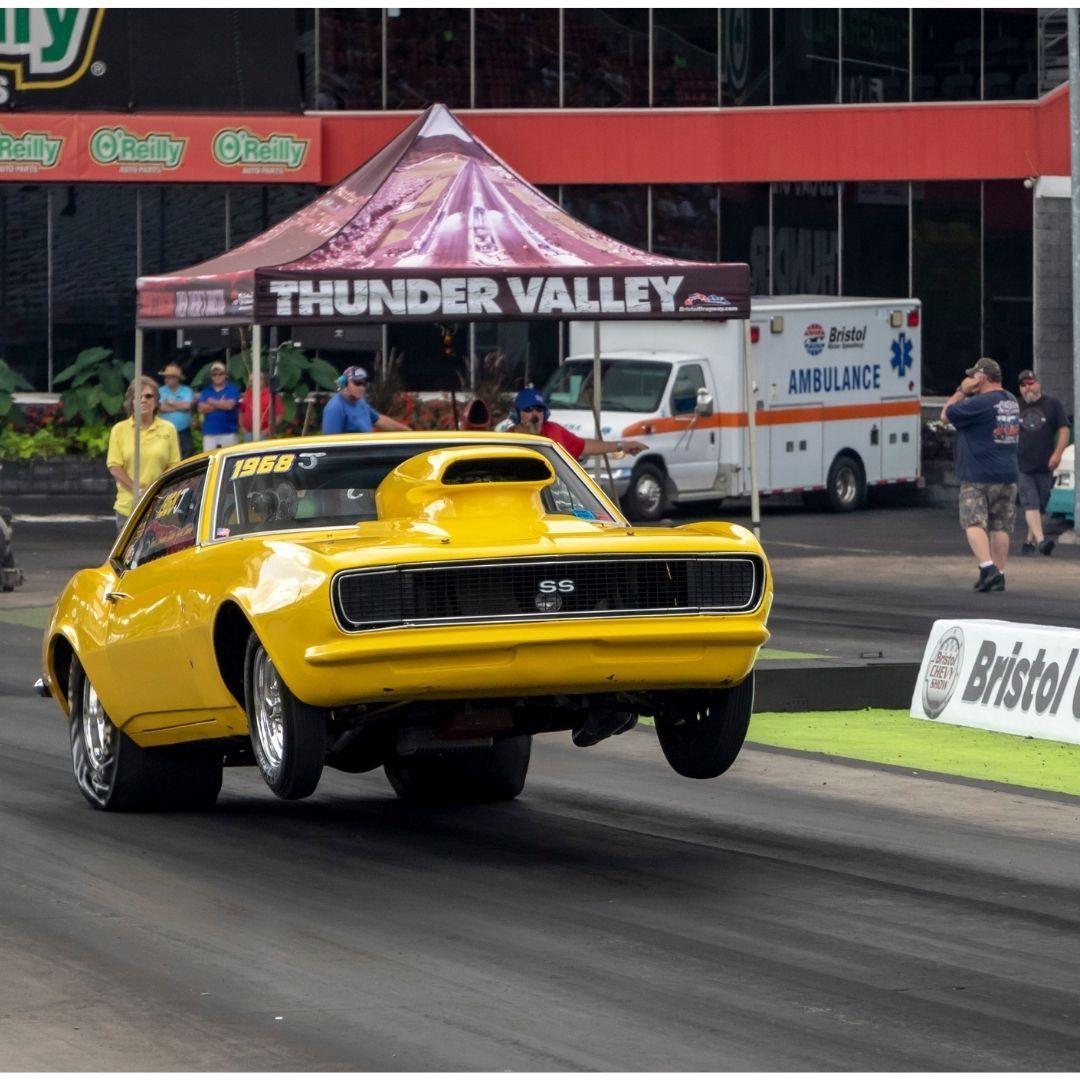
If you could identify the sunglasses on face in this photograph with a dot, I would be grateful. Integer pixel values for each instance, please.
(149, 397)
(359, 382)
(533, 408)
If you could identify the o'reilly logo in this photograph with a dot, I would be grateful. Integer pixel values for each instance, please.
(1015, 681)
(943, 672)
(238, 146)
(150, 152)
(30, 151)
(47, 48)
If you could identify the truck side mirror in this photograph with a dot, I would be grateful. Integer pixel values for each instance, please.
(704, 406)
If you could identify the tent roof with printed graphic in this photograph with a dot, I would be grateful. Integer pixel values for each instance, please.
(437, 226)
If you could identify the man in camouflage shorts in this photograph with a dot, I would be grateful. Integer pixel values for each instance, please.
(987, 422)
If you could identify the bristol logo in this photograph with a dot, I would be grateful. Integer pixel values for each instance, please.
(814, 339)
(901, 355)
(47, 48)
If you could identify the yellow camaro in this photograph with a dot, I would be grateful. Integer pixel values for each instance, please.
(425, 602)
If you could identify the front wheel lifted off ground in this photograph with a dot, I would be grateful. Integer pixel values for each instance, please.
(114, 773)
(288, 736)
(472, 774)
(701, 731)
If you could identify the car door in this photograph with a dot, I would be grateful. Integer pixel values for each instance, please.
(694, 455)
(149, 610)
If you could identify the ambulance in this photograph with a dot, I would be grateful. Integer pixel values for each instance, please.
(835, 387)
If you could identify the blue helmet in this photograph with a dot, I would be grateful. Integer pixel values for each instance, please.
(529, 398)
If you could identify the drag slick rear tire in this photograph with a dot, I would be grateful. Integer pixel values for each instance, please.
(114, 773)
(288, 736)
(701, 731)
(485, 774)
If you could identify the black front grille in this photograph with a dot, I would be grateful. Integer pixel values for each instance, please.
(545, 589)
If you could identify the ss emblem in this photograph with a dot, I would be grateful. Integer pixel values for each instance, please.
(549, 586)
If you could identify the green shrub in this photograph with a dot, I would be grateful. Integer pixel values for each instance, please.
(97, 383)
(20, 446)
(10, 381)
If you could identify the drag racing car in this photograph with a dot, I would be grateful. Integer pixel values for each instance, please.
(422, 602)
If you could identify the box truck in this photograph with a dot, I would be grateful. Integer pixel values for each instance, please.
(835, 389)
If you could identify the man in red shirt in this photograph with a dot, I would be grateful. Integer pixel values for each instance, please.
(530, 415)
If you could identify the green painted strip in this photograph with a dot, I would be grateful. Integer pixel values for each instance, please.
(784, 654)
(34, 617)
(891, 737)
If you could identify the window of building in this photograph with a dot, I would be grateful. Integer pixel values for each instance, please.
(1010, 54)
(806, 55)
(427, 57)
(350, 58)
(946, 275)
(517, 58)
(805, 238)
(744, 231)
(24, 293)
(606, 58)
(686, 221)
(615, 210)
(875, 245)
(1007, 276)
(685, 68)
(874, 54)
(947, 54)
(744, 56)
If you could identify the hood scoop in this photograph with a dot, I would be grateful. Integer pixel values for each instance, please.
(472, 488)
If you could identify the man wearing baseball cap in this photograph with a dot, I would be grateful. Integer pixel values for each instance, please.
(1044, 434)
(987, 422)
(218, 404)
(530, 415)
(349, 410)
(175, 402)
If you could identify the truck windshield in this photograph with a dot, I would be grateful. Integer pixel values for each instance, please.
(625, 385)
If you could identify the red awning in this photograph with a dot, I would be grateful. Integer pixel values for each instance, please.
(436, 227)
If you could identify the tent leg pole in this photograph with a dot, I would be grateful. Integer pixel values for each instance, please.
(596, 414)
(256, 382)
(472, 358)
(136, 415)
(751, 428)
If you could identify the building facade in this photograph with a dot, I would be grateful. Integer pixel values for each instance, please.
(850, 152)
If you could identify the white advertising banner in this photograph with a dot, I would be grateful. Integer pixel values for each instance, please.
(1002, 676)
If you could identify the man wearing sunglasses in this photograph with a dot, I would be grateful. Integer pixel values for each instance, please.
(530, 415)
(349, 411)
(1044, 434)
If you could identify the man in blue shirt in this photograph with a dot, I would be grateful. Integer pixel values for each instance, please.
(219, 403)
(175, 404)
(349, 410)
(987, 422)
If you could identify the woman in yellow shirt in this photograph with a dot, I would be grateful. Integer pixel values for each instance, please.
(159, 447)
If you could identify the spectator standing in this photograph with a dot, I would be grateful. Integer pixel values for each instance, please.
(159, 446)
(1044, 434)
(219, 403)
(176, 401)
(349, 411)
(987, 421)
(530, 416)
(264, 411)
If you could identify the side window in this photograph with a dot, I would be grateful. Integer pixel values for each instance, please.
(168, 524)
(688, 380)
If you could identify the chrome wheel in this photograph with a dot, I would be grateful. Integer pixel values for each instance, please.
(97, 731)
(648, 495)
(269, 723)
(846, 485)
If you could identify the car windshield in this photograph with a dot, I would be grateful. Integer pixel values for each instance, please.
(625, 385)
(334, 486)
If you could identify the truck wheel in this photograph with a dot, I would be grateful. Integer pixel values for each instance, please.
(7, 563)
(486, 774)
(845, 489)
(114, 773)
(645, 497)
(288, 736)
(701, 731)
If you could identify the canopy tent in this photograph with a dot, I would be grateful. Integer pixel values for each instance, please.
(435, 227)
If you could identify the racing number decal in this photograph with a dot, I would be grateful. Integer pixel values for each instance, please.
(260, 466)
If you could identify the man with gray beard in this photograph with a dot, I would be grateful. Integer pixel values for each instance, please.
(1044, 434)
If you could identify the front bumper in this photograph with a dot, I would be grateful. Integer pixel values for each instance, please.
(530, 659)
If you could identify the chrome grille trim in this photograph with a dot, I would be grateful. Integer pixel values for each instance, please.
(397, 591)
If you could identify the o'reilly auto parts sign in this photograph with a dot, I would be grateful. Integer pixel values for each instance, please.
(1001, 676)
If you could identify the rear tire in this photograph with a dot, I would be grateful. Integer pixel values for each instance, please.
(487, 774)
(845, 489)
(288, 736)
(645, 498)
(114, 773)
(701, 731)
